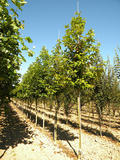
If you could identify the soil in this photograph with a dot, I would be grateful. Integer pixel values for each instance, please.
(20, 139)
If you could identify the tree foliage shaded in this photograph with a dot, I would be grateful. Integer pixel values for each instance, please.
(12, 45)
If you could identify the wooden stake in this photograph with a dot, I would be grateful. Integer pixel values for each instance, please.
(36, 114)
(79, 120)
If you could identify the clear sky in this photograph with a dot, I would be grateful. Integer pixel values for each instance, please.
(45, 19)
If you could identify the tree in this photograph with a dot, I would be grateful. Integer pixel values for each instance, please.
(59, 79)
(80, 52)
(44, 76)
(117, 63)
(116, 81)
(12, 44)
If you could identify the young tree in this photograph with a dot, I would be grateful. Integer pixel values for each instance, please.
(117, 63)
(44, 76)
(12, 45)
(59, 79)
(80, 52)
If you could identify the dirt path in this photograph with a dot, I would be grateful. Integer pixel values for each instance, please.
(20, 140)
(93, 147)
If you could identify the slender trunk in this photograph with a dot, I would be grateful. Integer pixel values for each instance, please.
(25, 110)
(92, 110)
(55, 126)
(24, 106)
(114, 111)
(66, 119)
(108, 106)
(89, 105)
(89, 108)
(114, 117)
(28, 109)
(44, 115)
(79, 120)
(91, 113)
(108, 114)
(55, 120)
(36, 113)
(100, 120)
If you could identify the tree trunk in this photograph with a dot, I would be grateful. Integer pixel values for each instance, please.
(79, 120)
(108, 107)
(100, 120)
(30, 111)
(55, 126)
(55, 120)
(44, 115)
(89, 109)
(30, 108)
(91, 113)
(89, 106)
(36, 113)
(66, 119)
(92, 110)
(114, 111)
(26, 110)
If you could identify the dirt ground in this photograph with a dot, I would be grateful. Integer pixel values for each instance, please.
(20, 139)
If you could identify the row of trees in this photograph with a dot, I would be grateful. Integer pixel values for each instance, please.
(73, 70)
(12, 45)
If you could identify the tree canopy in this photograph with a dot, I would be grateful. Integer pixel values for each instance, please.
(12, 45)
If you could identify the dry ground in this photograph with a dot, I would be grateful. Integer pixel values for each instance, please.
(20, 139)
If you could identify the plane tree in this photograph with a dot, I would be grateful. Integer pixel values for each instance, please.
(12, 45)
(80, 51)
(59, 79)
(43, 76)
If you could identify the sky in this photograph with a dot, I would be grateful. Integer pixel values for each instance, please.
(45, 20)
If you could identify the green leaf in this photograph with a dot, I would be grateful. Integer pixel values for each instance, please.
(23, 3)
(23, 58)
(28, 39)
(24, 48)
(30, 53)
(5, 39)
(15, 13)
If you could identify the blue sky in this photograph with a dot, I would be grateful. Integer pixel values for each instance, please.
(45, 19)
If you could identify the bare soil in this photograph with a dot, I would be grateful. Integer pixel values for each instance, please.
(20, 139)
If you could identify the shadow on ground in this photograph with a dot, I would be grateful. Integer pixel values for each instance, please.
(12, 130)
(65, 134)
(62, 134)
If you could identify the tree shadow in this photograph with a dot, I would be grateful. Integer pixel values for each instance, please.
(72, 149)
(94, 131)
(111, 120)
(65, 134)
(90, 130)
(3, 153)
(62, 134)
(12, 130)
(115, 126)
